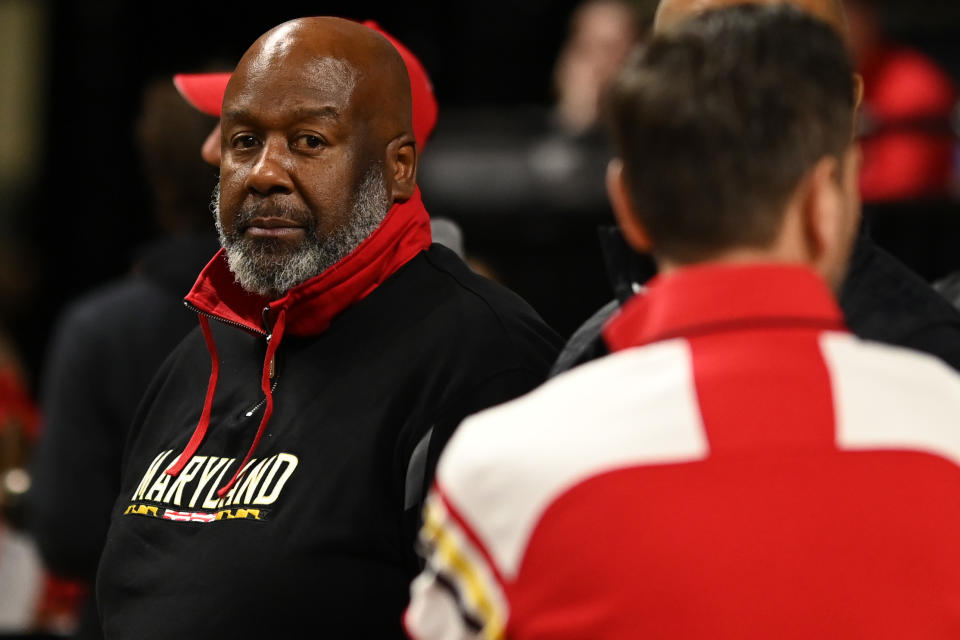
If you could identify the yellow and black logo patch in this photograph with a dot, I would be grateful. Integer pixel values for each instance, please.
(194, 516)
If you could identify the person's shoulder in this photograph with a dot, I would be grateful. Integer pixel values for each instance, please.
(884, 300)
(122, 304)
(102, 318)
(104, 302)
(475, 310)
(570, 406)
(474, 292)
(882, 386)
(635, 407)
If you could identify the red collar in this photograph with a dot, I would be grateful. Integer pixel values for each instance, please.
(312, 305)
(712, 297)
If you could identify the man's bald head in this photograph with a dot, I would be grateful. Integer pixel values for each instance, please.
(336, 57)
(672, 12)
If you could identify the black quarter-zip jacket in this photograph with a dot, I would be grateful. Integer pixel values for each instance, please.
(315, 538)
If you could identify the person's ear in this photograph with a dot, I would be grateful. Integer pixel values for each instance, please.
(401, 167)
(210, 151)
(821, 209)
(857, 103)
(858, 90)
(624, 211)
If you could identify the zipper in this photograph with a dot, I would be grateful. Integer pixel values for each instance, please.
(256, 407)
(224, 320)
(273, 361)
(272, 366)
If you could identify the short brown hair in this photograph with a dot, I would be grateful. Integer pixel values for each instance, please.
(718, 120)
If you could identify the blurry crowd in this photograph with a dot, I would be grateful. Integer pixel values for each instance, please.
(548, 162)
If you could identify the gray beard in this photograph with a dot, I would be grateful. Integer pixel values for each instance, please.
(271, 268)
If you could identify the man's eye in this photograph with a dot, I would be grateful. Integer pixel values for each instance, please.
(309, 141)
(244, 142)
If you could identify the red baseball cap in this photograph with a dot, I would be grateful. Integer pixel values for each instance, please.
(204, 91)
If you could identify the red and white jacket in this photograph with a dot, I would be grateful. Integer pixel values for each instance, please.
(740, 467)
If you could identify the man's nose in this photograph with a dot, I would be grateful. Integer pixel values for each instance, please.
(269, 174)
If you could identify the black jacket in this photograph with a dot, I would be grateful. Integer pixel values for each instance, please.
(318, 537)
(882, 300)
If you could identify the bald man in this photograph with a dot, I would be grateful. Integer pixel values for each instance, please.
(882, 299)
(274, 474)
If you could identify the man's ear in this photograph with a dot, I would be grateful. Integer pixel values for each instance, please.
(210, 151)
(857, 91)
(857, 103)
(623, 209)
(821, 208)
(401, 167)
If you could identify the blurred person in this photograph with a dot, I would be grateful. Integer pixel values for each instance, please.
(741, 466)
(908, 104)
(909, 142)
(602, 33)
(549, 159)
(547, 163)
(882, 299)
(568, 160)
(30, 598)
(108, 344)
(276, 467)
(21, 571)
(204, 91)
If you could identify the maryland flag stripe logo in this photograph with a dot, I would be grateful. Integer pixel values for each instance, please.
(141, 510)
(186, 516)
(194, 516)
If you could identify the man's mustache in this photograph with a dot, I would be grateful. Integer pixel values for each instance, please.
(266, 209)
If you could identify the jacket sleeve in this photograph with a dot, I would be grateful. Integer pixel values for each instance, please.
(457, 595)
(497, 389)
(420, 461)
(76, 464)
(586, 343)
(941, 340)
